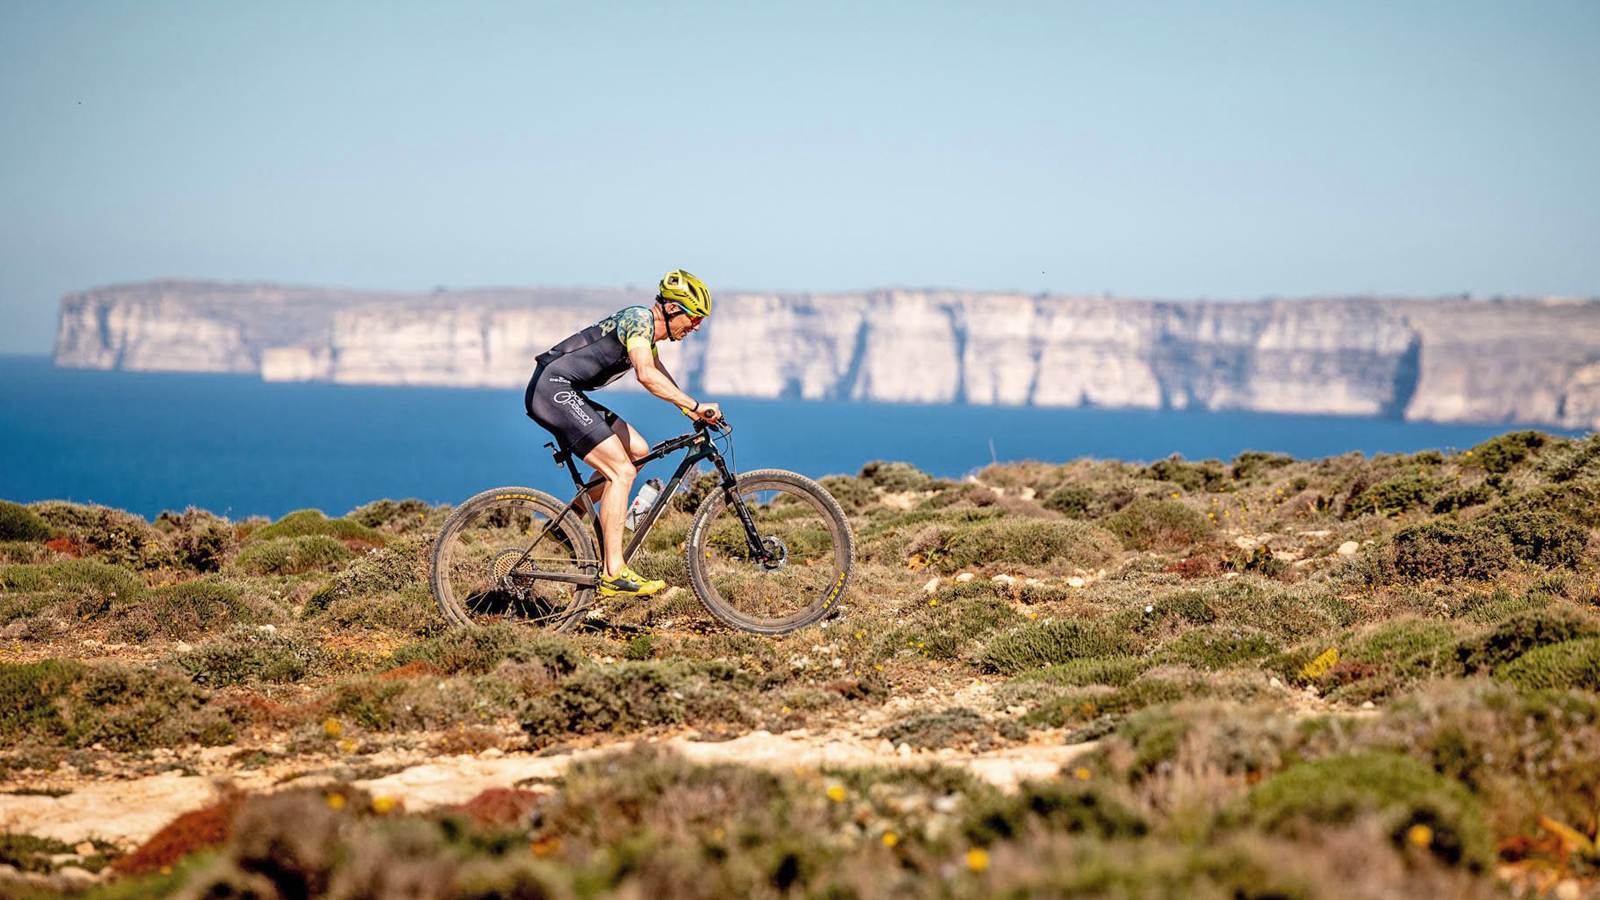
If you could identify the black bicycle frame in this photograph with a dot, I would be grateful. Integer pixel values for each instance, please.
(701, 448)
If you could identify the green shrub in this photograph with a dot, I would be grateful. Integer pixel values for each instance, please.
(1576, 501)
(1216, 648)
(1521, 633)
(19, 523)
(478, 651)
(94, 584)
(111, 535)
(1461, 498)
(187, 609)
(957, 727)
(293, 555)
(957, 615)
(896, 477)
(1573, 460)
(622, 698)
(1449, 550)
(401, 517)
(1253, 462)
(1019, 541)
(1070, 499)
(1542, 538)
(121, 707)
(311, 521)
(853, 494)
(1114, 671)
(1567, 665)
(1205, 475)
(1304, 800)
(1052, 806)
(387, 588)
(1157, 525)
(1052, 642)
(247, 656)
(1395, 494)
(201, 540)
(1500, 454)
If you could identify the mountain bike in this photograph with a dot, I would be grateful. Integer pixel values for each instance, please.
(767, 551)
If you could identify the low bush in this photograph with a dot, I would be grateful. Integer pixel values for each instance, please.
(311, 521)
(853, 494)
(956, 616)
(1253, 462)
(956, 727)
(188, 609)
(1402, 793)
(1461, 498)
(1509, 639)
(19, 523)
(1396, 494)
(399, 517)
(1567, 665)
(1052, 806)
(1502, 453)
(111, 535)
(478, 651)
(1020, 542)
(248, 656)
(1157, 525)
(1449, 550)
(1576, 501)
(1071, 500)
(387, 589)
(201, 540)
(629, 696)
(1053, 642)
(1114, 671)
(94, 584)
(1542, 538)
(1216, 648)
(293, 556)
(896, 477)
(122, 707)
(1206, 475)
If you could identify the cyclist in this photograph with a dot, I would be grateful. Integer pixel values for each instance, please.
(557, 398)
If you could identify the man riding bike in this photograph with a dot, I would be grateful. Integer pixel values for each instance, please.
(557, 398)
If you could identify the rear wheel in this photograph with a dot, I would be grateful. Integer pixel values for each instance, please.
(486, 556)
(800, 570)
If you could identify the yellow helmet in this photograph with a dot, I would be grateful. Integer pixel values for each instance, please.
(687, 291)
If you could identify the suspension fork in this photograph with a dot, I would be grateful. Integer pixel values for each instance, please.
(758, 549)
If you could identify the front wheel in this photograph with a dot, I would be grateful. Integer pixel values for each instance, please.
(792, 574)
(490, 553)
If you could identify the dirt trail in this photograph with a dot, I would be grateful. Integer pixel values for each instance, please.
(126, 812)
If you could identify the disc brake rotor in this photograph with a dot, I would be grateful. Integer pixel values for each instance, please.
(777, 552)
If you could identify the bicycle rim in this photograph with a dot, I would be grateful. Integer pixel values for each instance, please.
(807, 563)
(485, 566)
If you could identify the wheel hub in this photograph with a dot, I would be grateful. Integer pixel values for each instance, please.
(777, 553)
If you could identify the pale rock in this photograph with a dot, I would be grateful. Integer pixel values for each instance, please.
(182, 647)
(267, 629)
(965, 577)
(492, 753)
(1348, 548)
(1075, 581)
(84, 849)
(1006, 580)
(931, 586)
(76, 875)
(903, 750)
(1531, 360)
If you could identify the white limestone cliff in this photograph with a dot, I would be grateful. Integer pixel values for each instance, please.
(1533, 361)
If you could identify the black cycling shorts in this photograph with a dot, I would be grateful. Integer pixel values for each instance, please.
(578, 423)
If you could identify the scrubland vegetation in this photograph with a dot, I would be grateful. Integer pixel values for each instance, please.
(1345, 677)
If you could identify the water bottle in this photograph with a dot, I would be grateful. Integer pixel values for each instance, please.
(642, 503)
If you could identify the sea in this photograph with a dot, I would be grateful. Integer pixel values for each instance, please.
(237, 446)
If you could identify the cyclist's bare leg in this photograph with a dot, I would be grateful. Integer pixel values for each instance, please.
(611, 459)
(633, 442)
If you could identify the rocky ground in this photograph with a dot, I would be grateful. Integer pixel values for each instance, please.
(1258, 677)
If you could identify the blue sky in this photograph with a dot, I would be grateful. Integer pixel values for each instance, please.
(1146, 149)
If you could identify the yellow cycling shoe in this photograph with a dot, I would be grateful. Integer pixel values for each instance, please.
(627, 582)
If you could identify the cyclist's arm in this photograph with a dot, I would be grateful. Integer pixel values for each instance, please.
(655, 379)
